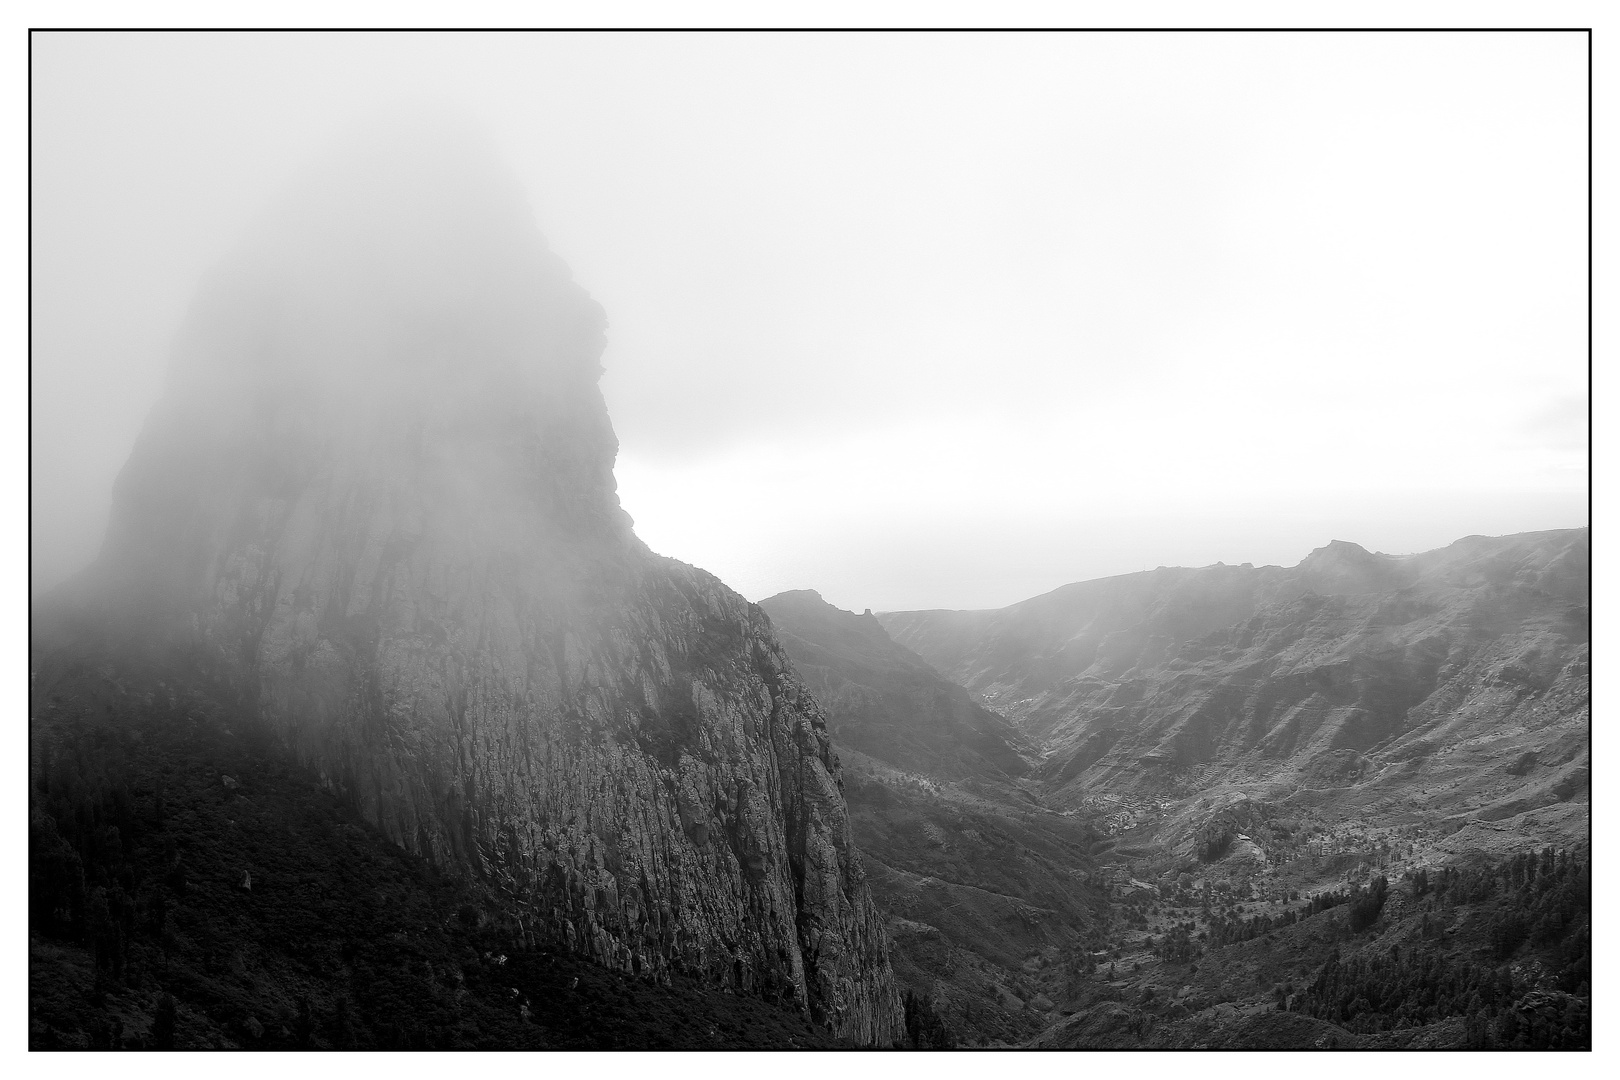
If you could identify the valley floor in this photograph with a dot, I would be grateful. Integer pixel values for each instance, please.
(1339, 933)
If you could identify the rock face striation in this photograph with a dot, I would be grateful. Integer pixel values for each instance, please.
(378, 496)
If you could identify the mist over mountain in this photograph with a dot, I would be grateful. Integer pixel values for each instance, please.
(375, 725)
(375, 509)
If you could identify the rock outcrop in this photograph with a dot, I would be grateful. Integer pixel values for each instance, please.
(377, 498)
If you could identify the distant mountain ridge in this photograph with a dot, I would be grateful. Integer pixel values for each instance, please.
(1320, 673)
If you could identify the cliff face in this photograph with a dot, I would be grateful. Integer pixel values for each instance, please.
(378, 495)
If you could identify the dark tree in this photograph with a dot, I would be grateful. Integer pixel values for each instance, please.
(925, 1028)
(163, 1023)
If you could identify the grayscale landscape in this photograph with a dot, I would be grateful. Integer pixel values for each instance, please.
(363, 714)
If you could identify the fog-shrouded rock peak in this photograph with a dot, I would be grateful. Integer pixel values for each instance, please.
(377, 500)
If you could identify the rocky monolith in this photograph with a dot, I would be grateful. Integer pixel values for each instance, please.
(378, 494)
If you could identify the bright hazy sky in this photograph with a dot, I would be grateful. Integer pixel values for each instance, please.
(920, 321)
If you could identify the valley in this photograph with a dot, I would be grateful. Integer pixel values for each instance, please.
(1231, 757)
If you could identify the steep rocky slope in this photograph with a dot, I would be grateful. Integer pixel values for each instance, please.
(376, 506)
(885, 701)
(985, 889)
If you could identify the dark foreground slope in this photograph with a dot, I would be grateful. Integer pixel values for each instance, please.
(376, 506)
(986, 890)
(190, 887)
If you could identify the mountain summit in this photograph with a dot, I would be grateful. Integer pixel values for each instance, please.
(376, 504)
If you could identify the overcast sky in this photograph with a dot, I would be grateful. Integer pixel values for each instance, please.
(920, 321)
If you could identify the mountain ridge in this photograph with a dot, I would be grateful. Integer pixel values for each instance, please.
(1135, 682)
